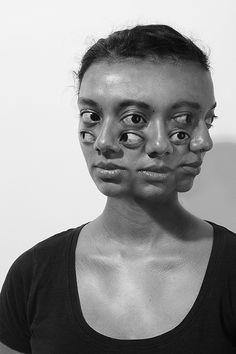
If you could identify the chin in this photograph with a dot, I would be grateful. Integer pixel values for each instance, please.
(150, 192)
(184, 186)
(110, 189)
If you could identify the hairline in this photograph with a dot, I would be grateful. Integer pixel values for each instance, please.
(155, 59)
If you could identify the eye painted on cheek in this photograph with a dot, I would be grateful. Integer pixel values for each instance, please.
(87, 137)
(210, 120)
(179, 138)
(131, 140)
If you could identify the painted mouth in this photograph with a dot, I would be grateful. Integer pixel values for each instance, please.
(191, 169)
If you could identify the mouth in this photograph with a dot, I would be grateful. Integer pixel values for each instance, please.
(103, 173)
(192, 168)
(108, 170)
(109, 166)
(154, 172)
(160, 176)
(156, 168)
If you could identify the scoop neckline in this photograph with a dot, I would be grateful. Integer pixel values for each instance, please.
(159, 340)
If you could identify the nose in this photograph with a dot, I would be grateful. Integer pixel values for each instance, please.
(158, 143)
(106, 142)
(201, 140)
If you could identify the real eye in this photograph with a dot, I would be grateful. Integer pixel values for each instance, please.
(130, 139)
(134, 120)
(179, 137)
(89, 117)
(184, 118)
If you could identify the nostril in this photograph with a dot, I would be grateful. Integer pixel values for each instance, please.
(106, 146)
(155, 154)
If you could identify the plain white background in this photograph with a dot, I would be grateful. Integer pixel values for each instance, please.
(45, 187)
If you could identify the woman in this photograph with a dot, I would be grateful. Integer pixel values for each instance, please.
(146, 276)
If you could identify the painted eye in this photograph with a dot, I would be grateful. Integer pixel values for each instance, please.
(134, 119)
(130, 139)
(184, 118)
(87, 137)
(209, 121)
(89, 117)
(179, 138)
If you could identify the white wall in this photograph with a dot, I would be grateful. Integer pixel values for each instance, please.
(45, 187)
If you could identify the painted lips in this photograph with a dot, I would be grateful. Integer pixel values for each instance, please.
(192, 169)
(151, 172)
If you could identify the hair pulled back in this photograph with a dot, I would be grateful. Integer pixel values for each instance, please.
(153, 42)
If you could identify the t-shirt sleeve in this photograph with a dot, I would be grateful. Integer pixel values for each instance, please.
(14, 298)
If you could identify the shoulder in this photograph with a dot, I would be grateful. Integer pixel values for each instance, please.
(223, 231)
(44, 247)
(227, 235)
(54, 244)
(225, 240)
(43, 254)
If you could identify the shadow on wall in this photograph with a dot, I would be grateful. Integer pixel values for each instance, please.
(213, 196)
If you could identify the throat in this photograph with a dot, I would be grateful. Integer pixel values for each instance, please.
(138, 226)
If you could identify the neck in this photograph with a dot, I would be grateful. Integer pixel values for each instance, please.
(139, 222)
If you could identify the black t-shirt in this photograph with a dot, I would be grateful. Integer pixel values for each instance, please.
(40, 309)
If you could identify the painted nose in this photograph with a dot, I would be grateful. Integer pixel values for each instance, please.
(158, 143)
(105, 141)
(201, 140)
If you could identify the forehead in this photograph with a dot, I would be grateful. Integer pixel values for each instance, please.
(158, 84)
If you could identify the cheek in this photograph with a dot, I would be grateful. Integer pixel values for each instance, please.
(82, 147)
(87, 152)
(178, 155)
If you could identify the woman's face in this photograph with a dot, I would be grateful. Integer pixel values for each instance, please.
(150, 119)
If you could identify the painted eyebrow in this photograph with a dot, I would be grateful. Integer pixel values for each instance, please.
(194, 105)
(122, 104)
(88, 101)
(144, 105)
(140, 104)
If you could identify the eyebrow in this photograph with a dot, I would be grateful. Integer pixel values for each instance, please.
(122, 104)
(194, 105)
(137, 103)
(144, 105)
(88, 101)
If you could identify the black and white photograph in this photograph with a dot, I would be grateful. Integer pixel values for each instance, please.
(118, 177)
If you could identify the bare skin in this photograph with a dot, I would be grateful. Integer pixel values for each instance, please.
(141, 263)
(143, 291)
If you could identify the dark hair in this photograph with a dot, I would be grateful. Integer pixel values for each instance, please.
(153, 42)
